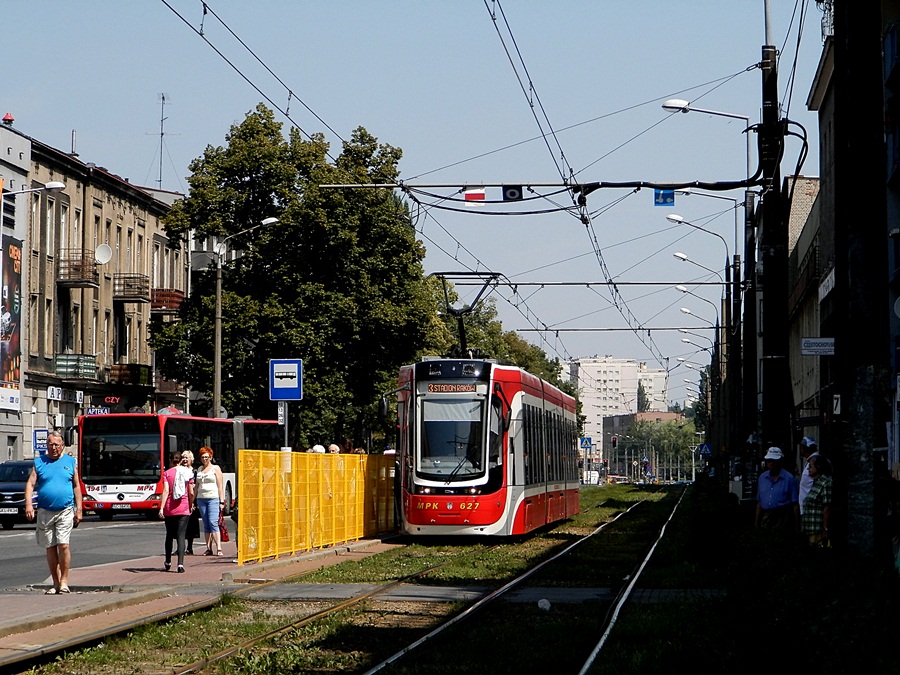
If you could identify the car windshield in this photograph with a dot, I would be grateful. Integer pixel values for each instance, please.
(452, 439)
(14, 473)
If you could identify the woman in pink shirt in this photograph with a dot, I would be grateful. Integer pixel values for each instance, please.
(176, 506)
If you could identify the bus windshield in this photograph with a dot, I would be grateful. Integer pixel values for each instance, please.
(120, 452)
(452, 439)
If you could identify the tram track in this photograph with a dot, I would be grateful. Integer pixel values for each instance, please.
(397, 662)
(368, 613)
(406, 659)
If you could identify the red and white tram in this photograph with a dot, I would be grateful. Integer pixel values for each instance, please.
(484, 449)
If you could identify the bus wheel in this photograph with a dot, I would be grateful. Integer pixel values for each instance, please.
(105, 516)
(227, 510)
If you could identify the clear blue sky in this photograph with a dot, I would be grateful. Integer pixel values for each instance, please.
(434, 79)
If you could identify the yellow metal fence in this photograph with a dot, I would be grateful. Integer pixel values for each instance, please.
(290, 502)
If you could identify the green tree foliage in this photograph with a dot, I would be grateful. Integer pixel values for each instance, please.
(338, 282)
(643, 401)
(673, 437)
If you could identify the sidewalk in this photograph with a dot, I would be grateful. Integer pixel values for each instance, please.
(116, 596)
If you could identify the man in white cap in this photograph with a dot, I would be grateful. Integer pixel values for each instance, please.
(808, 449)
(777, 496)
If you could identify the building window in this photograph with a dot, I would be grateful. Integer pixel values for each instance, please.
(63, 225)
(48, 327)
(158, 274)
(76, 230)
(34, 227)
(51, 227)
(106, 341)
(34, 322)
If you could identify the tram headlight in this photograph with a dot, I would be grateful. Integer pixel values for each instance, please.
(474, 491)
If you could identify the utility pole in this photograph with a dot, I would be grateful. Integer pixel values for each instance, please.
(858, 313)
(777, 403)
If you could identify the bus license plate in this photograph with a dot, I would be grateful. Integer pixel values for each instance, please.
(121, 506)
(7, 509)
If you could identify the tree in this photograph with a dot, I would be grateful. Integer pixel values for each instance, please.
(643, 401)
(338, 282)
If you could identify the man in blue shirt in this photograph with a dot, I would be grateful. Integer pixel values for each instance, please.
(777, 506)
(55, 477)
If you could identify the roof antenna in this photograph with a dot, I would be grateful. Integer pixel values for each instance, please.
(162, 134)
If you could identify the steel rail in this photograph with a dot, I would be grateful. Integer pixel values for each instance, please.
(494, 595)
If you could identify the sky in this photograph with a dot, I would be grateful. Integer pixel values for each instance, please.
(475, 93)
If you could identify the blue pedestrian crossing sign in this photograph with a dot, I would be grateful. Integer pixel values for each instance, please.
(285, 379)
(585, 443)
(704, 450)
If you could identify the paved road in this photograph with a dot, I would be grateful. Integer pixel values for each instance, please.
(22, 562)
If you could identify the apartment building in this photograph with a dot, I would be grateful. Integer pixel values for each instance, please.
(86, 267)
(609, 387)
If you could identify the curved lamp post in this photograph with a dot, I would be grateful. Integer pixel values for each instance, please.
(736, 349)
(688, 341)
(220, 249)
(687, 291)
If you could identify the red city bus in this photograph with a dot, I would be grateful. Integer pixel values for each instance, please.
(122, 456)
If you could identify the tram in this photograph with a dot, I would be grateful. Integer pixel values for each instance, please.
(122, 456)
(484, 449)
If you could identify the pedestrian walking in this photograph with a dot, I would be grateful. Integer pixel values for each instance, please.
(210, 500)
(776, 497)
(816, 516)
(177, 503)
(55, 478)
(193, 526)
(808, 449)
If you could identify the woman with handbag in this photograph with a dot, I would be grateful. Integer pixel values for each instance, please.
(211, 500)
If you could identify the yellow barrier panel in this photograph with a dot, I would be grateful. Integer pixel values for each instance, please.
(290, 502)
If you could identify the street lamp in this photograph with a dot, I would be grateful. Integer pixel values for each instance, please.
(689, 364)
(737, 352)
(685, 310)
(685, 258)
(686, 290)
(680, 105)
(220, 250)
(688, 341)
(687, 332)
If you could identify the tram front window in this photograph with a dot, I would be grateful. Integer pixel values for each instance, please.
(452, 439)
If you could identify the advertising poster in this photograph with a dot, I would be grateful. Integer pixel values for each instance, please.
(10, 323)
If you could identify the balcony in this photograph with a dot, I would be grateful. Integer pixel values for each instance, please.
(165, 386)
(76, 366)
(165, 300)
(77, 268)
(130, 373)
(131, 287)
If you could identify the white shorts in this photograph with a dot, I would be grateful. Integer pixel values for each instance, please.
(54, 527)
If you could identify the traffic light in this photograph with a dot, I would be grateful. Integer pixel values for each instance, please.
(615, 442)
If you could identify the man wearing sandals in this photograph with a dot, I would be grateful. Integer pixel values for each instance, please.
(59, 507)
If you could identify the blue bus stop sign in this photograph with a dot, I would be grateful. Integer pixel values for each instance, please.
(285, 380)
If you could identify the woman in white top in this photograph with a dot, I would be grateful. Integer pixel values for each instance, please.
(210, 498)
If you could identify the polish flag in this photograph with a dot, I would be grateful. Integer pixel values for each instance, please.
(475, 195)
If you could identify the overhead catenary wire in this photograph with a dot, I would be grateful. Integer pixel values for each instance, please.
(549, 134)
(567, 173)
